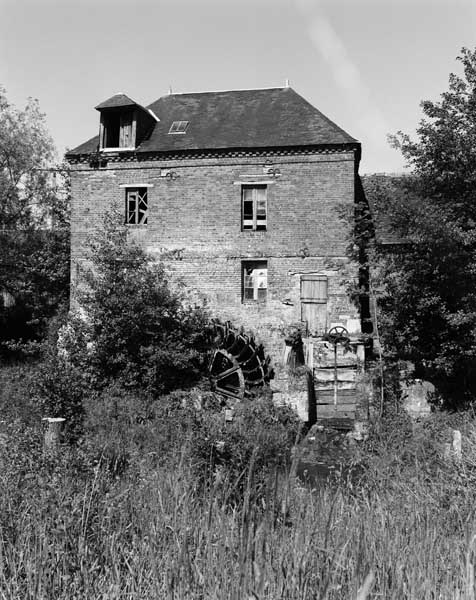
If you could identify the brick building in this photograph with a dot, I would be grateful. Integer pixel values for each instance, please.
(242, 191)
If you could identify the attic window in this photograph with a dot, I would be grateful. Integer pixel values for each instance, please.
(117, 129)
(178, 127)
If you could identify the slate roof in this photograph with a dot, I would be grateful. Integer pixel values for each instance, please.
(266, 118)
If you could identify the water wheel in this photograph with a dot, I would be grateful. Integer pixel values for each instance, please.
(238, 366)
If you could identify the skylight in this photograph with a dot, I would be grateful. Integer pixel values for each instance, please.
(178, 127)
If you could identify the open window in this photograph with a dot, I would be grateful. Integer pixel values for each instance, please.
(254, 207)
(255, 281)
(137, 207)
(117, 128)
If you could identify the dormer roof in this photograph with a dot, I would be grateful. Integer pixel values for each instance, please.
(119, 100)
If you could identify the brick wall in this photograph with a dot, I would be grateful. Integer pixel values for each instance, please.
(198, 214)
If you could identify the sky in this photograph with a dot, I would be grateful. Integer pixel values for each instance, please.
(366, 64)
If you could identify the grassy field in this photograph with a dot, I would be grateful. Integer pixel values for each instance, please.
(73, 527)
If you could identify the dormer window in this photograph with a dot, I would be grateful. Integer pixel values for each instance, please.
(118, 129)
(124, 123)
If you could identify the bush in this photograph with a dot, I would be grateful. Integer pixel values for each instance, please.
(18, 401)
(145, 346)
(130, 430)
(180, 417)
(143, 334)
(245, 452)
(62, 380)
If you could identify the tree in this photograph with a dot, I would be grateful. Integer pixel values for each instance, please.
(427, 286)
(142, 333)
(34, 227)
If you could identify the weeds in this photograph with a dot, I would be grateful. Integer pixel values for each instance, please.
(73, 527)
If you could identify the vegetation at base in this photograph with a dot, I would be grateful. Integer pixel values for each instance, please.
(127, 329)
(425, 284)
(142, 333)
(144, 508)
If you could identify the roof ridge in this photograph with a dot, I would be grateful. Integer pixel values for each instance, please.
(274, 87)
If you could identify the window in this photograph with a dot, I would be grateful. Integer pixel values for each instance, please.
(314, 303)
(255, 281)
(118, 129)
(178, 127)
(253, 200)
(136, 206)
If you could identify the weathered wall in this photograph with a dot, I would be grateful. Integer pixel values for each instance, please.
(198, 215)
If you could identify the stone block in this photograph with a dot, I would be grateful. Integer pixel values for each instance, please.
(415, 397)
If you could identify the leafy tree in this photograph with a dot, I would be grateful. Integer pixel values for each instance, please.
(426, 287)
(34, 227)
(128, 335)
(142, 332)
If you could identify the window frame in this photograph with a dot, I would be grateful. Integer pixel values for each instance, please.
(142, 196)
(254, 265)
(257, 224)
(122, 120)
(178, 127)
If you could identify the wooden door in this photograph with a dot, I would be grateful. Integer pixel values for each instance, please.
(125, 137)
(314, 303)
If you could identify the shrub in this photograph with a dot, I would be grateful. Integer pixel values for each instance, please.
(143, 334)
(131, 331)
(131, 431)
(62, 380)
(128, 429)
(17, 393)
(180, 416)
(256, 444)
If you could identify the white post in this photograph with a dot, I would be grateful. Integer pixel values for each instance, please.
(335, 375)
(456, 444)
(52, 434)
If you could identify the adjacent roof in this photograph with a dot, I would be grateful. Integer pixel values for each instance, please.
(266, 118)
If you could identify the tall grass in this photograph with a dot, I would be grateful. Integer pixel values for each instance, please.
(145, 508)
(71, 529)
